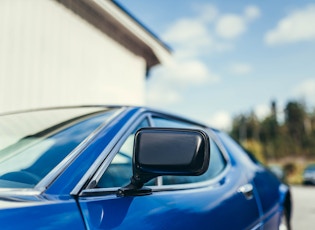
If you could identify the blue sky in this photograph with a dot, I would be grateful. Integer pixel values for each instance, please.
(230, 57)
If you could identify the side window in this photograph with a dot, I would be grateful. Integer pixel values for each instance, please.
(217, 165)
(119, 171)
(217, 161)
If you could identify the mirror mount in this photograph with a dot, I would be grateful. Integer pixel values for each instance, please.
(134, 189)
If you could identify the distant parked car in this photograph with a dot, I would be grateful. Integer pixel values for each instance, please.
(130, 168)
(309, 175)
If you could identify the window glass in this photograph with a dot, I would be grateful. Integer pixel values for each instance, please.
(119, 171)
(217, 161)
(232, 146)
(217, 165)
(166, 123)
(33, 149)
(17, 126)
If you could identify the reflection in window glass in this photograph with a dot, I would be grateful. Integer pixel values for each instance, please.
(40, 145)
(16, 126)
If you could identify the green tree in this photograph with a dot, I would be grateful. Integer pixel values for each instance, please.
(294, 119)
(269, 139)
(245, 127)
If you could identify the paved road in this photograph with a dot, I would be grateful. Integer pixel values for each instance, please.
(303, 207)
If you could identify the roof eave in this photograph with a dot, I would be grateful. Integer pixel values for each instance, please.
(116, 22)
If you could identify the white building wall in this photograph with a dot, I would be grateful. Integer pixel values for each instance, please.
(49, 56)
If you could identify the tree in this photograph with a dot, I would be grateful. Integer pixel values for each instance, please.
(294, 120)
(269, 139)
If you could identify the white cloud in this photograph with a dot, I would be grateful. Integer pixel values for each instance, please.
(206, 12)
(190, 37)
(240, 69)
(252, 12)
(306, 90)
(186, 73)
(193, 38)
(185, 30)
(168, 82)
(231, 26)
(298, 26)
(162, 96)
(221, 120)
(201, 34)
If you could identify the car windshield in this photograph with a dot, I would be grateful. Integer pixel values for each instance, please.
(33, 143)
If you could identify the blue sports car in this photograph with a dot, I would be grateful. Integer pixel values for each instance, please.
(97, 167)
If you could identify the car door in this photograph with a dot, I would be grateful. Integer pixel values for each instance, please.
(214, 200)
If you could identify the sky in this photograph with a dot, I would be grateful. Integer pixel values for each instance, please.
(230, 57)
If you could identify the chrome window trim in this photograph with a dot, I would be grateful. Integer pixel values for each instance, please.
(104, 159)
(61, 167)
(9, 192)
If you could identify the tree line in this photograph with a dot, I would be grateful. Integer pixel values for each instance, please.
(271, 139)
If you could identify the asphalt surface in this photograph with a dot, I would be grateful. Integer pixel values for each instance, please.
(303, 207)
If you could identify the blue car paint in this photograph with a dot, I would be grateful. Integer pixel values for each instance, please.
(204, 206)
(161, 209)
(269, 191)
(184, 207)
(219, 205)
(40, 214)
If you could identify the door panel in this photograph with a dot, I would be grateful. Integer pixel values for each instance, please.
(269, 197)
(219, 206)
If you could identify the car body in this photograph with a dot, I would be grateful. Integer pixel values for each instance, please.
(309, 175)
(124, 167)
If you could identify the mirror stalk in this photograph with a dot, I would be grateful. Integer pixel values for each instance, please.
(134, 188)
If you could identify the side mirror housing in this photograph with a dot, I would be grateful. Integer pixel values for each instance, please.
(168, 151)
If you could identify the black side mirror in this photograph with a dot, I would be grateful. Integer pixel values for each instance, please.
(167, 151)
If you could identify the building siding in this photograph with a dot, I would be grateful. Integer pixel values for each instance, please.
(50, 56)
